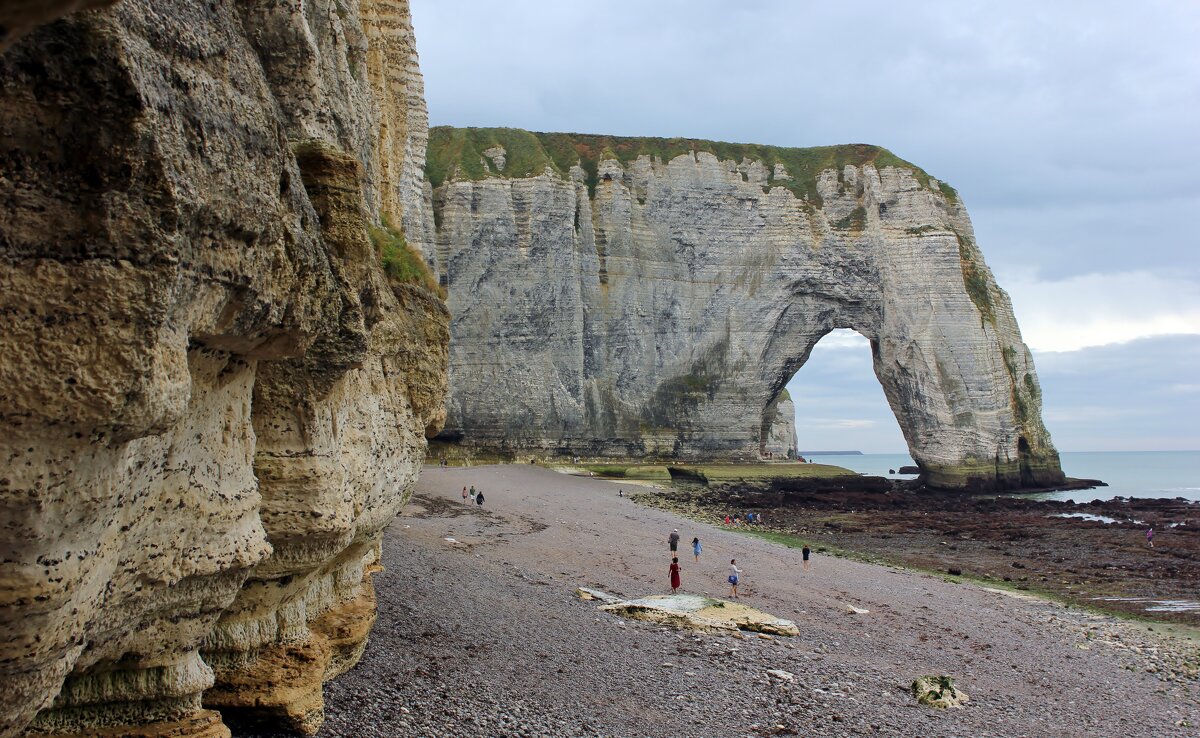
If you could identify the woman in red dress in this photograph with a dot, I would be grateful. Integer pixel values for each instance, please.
(674, 574)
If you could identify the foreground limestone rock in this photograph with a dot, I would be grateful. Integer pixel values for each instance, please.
(623, 296)
(212, 397)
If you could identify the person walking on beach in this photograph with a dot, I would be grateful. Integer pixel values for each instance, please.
(696, 548)
(805, 552)
(472, 491)
(734, 577)
(620, 493)
(673, 541)
(1150, 536)
(479, 498)
(674, 574)
(464, 495)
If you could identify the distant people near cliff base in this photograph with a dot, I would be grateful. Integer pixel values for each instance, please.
(727, 519)
(675, 583)
(735, 576)
(673, 541)
(696, 549)
(805, 552)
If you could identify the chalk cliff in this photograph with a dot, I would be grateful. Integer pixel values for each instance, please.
(215, 382)
(653, 296)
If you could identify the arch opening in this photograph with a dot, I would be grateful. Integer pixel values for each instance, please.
(835, 400)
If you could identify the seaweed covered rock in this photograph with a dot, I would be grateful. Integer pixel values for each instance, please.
(938, 691)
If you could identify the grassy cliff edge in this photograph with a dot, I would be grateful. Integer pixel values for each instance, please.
(459, 153)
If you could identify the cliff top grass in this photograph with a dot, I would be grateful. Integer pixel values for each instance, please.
(457, 153)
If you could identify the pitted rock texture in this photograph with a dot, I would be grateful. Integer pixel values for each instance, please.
(212, 398)
(653, 297)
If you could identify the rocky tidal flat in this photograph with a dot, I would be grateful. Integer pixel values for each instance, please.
(1092, 554)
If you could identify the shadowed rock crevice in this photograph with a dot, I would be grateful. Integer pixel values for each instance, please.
(651, 297)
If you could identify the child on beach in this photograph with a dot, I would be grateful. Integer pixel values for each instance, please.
(734, 577)
(674, 575)
(805, 552)
(696, 548)
(464, 495)
(1150, 537)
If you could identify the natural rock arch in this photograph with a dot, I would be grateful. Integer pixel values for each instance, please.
(652, 297)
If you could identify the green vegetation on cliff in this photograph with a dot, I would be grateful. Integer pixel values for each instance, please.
(400, 262)
(974, 279)
(457, 153)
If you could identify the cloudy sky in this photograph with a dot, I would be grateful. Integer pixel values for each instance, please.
(1071, 130)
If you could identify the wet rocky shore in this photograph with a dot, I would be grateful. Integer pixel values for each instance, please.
(1094, 554)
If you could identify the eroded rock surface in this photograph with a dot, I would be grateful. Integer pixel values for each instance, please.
(653, 296)
(212, 397)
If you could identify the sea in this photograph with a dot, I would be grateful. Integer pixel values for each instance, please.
(1128, 473)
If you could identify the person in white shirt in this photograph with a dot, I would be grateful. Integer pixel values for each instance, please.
(734, 576)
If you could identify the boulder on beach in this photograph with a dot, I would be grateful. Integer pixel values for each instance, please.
(938, 691)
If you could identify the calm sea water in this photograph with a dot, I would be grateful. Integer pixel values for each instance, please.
(1128, 473)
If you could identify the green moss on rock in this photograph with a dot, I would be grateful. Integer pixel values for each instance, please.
(975, 280)
(855, 221)
(400, 262)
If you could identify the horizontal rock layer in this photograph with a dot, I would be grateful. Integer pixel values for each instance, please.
(212, 397)
(653, 296)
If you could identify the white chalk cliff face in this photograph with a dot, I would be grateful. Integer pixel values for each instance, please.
(213, 398)
(653, 297)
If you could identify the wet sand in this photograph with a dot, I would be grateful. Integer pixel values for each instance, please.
(482, 635)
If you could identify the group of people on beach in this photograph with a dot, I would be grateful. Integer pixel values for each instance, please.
(475, 496)
(737, 519)
(735, 573)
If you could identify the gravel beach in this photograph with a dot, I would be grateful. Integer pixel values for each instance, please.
(480, 634)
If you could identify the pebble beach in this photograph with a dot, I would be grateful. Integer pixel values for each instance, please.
(481, 633)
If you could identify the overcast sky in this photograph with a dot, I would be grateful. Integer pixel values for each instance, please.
(1071, 130)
